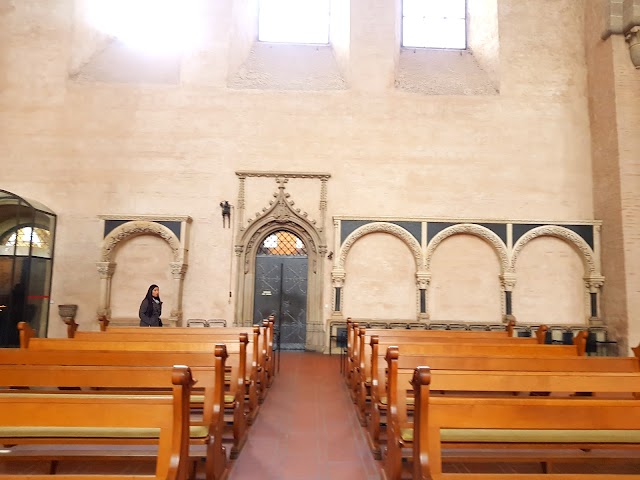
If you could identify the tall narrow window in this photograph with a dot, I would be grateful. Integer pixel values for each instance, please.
(151, 26)
(294, 21)
(434, 23)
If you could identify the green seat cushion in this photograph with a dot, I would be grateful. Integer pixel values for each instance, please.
(539, 436)
(410, 401)
(78, 432)
(229, 399)
(85, 395)
(196, 398)
(196, 431)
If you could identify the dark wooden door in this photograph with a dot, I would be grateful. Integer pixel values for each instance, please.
(281, 290)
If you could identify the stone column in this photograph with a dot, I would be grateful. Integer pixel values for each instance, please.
(423, 279)
(508, 283)
(337, 295)
(178, 269)
(594, 283)
(105, 269)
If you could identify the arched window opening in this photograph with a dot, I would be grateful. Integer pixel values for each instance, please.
(152, 26)
(27, 232)
(434, 24)
(39, 239)
(294, 21)
(282, 243)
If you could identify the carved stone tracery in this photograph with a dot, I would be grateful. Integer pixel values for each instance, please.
(381, 227)
(562, 233)
(135, 228)
(281, 214)
(470, 229)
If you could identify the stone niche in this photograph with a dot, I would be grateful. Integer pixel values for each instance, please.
(121, 229)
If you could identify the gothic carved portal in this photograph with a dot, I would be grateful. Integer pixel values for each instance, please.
(173, 230)
(280, 215)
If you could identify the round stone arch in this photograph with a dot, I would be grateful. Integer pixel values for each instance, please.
(135, 228)
(381, 227)
(246, 250)
(338, 274)
(106, 266)
(470, 229)
(494, 241)
(572, 238)
(593, 279)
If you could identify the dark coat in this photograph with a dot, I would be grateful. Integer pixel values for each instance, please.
(152, 320)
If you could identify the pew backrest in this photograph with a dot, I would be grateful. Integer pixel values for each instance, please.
(20, 409)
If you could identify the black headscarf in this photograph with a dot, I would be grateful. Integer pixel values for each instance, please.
(150, 300)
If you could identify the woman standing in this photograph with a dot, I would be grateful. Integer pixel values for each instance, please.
(151, 308)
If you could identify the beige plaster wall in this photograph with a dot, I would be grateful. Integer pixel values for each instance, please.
(550, 287)
(141, 261)
(483, 36)
(381, 280)
(90, 148)
(465, 284)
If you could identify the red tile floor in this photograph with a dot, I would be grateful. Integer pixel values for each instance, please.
(307, 428)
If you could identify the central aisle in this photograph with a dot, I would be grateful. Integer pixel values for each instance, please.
(307, 428)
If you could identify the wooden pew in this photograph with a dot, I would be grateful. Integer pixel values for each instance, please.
(378, 407)
(208, 395)
(58, 417)
(353, 329)
(360, 336)
(254, 371)
(234, 400)
(409, 362)
(362, 380)
(265, 353)
(573, 425)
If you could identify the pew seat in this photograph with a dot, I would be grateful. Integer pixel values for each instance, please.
(48, 418)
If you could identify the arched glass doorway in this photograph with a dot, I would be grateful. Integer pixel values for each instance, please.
(281, 287)
(27, 231)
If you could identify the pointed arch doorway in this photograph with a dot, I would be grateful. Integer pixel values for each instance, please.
(280, 216)
(281, 287)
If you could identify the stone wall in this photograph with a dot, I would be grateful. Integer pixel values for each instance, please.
(87, 147)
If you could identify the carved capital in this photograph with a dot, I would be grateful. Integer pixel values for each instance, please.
(106, 269)
(337, 278)
(594, 283)
(508, 281)
(238, 249)
(423, 279)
